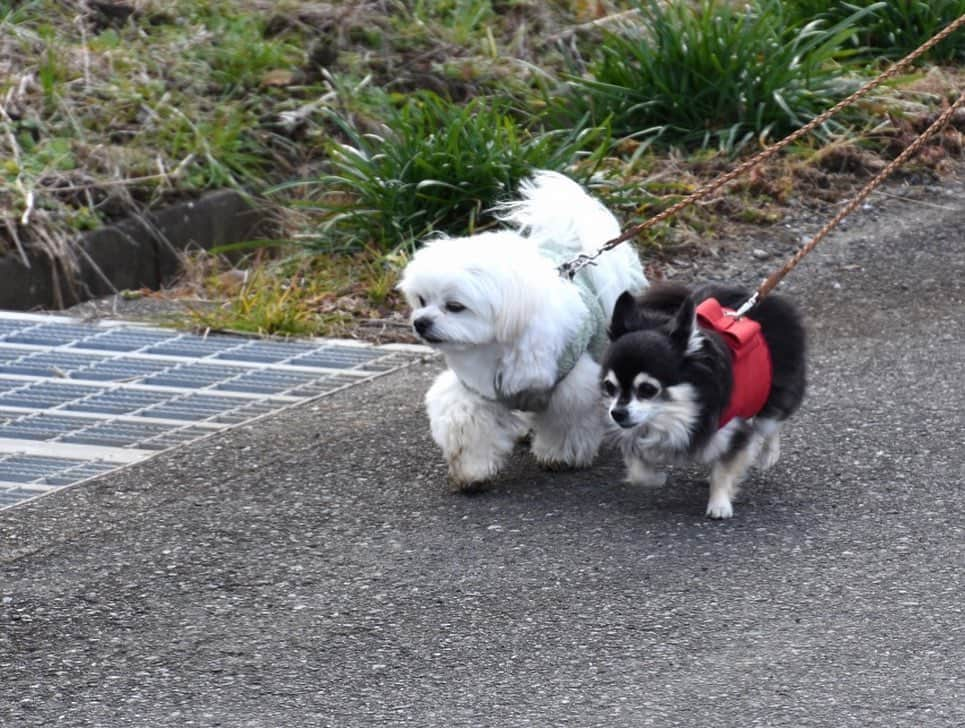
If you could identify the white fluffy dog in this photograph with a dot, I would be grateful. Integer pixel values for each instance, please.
(517, 337)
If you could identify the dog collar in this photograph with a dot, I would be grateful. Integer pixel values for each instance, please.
(750, 359)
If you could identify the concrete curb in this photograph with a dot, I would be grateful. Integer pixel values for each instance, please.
(135, 253)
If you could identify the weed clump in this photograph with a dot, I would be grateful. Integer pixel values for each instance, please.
(891, 29)
(433, 166)
(713, 73)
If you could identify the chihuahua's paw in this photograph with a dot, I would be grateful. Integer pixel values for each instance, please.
(720, 508)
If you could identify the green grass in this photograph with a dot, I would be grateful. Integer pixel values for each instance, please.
(295, 296)
(238, 61)
(265, 304)
(462, 20)
(433, 166)
(713, 73)
(893, 29)
(103, 117)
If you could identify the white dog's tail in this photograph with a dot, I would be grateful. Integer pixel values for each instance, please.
(552, 207)
(558, 214)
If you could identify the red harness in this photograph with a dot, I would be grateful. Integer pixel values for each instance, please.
(750, 359)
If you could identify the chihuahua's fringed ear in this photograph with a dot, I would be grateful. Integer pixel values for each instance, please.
(624, 316)
(683, 326)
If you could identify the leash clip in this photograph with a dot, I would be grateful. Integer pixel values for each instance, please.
(745, 307)
(570, 268)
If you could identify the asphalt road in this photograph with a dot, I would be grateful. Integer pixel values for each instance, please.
(314, 571)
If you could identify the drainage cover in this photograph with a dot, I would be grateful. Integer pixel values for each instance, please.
(78, 400)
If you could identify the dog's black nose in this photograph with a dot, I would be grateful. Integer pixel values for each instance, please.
(422, 325)
(620, 415)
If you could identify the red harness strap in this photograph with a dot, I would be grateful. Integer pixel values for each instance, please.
(750, 359)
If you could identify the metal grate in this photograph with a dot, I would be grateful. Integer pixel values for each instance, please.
(267, 352)
(333, 357)
(126, 339)
(78, 400)
(50, 364)
(50, 334)
(48, 471)
(195, 347)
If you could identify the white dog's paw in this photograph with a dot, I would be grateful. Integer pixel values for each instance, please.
(470, 470)
(639, 473)
(476, 435)
(719, 508)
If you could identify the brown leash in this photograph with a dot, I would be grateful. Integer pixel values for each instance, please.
(571, 267)
(770, 283)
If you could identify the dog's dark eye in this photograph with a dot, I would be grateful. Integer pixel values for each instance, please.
(422, 302)
(609, 388)
(647, 391)
(454, 307)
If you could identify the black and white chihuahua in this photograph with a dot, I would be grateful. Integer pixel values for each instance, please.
(668, 380)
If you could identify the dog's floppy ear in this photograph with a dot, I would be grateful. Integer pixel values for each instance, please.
(518, 304)
(624, 315)
(683, 325)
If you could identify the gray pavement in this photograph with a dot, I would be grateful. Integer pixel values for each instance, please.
(313, 570)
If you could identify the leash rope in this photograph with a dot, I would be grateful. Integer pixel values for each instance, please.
(571, 267)
(770, 283)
